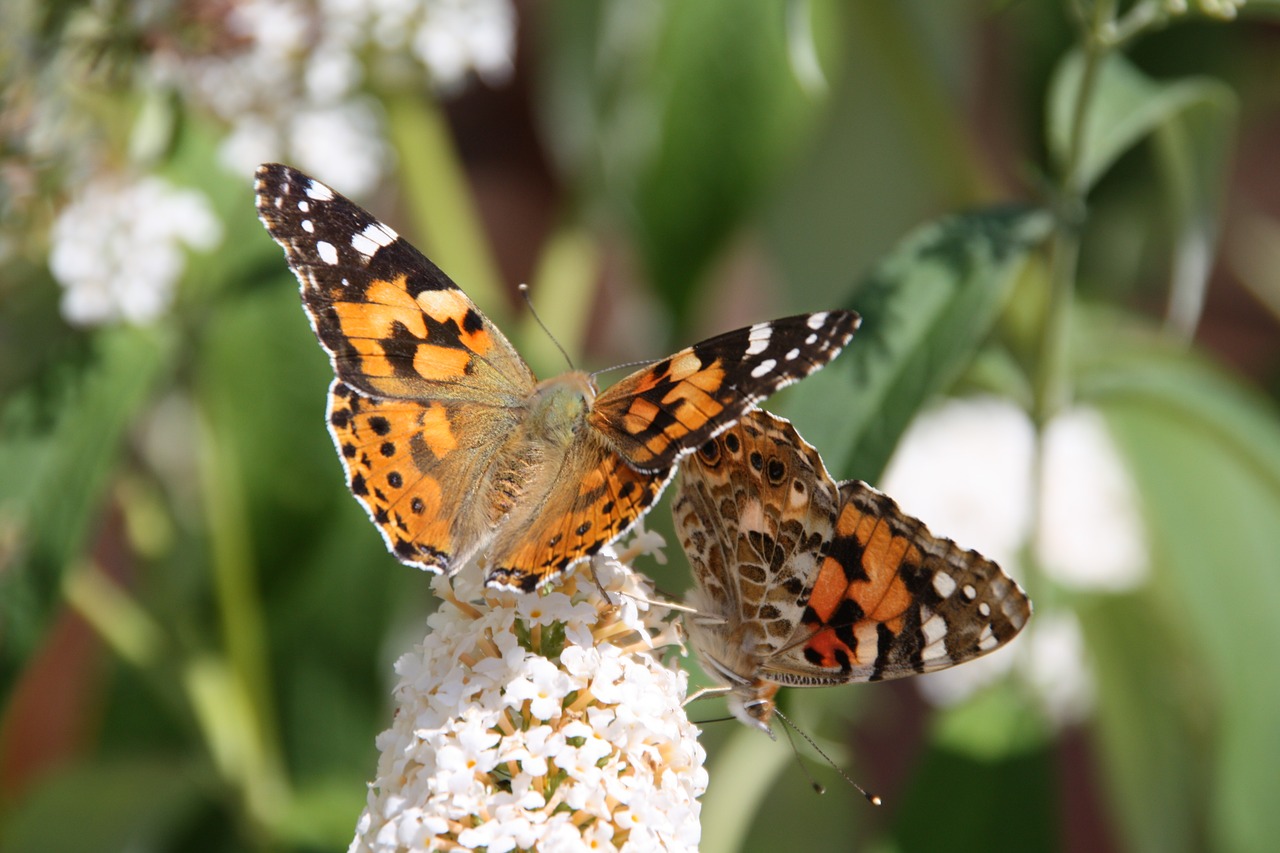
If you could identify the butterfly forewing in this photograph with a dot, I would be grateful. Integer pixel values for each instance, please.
(657, 415)
(393, 323)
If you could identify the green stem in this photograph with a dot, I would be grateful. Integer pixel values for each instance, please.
(1052, 389)
(440, 201)
(233, 698)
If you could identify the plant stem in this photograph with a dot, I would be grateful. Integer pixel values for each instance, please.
(1052, 389)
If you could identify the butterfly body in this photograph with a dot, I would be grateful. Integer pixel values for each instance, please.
(454, 448)
(801, 581)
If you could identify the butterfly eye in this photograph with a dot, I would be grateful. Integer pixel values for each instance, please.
(777, 471)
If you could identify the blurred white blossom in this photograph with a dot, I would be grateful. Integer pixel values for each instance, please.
(965, 467)
(969, 468)
(118, 248)
(538, 721)
(1054, 663)
(1090, 535)
(287, 75)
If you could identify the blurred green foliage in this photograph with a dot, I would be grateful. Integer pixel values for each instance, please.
(173, 487)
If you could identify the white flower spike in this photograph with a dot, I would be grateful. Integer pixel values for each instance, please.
(539, 721)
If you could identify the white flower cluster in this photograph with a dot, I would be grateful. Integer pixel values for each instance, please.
(117, 248)
(969, 467)
(538, 721)
(289, 84)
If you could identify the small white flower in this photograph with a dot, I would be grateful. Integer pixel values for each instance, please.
(509, 734)
(118, 248)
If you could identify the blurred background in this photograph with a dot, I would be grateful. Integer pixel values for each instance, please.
(1061, 221)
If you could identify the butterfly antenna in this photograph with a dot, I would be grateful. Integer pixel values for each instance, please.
(790, 727)
(528, 300)
(641, 363)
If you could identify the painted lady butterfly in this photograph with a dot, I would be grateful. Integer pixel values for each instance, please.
(801, 581)
(453, 447)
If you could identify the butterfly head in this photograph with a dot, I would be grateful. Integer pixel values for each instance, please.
(753, 704)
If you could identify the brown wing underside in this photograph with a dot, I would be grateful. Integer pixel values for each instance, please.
(893, 600)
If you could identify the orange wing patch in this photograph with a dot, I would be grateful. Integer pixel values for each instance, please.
(603, 502)
(381, 444)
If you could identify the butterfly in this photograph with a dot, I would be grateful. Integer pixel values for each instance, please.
(802, 581)
(454, 448)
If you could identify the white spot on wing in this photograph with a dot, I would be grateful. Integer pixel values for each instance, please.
(792, 354)
(817, 321)
(380, 234)
(943, 584)
(319, 191)
(308, 226)
(363, 245)
(969, 592)
(764, 368)
(984, 609)
(304, 205)
(811, 340)
(759, 338)
(374, 236)
(933, 629)
(327, 252)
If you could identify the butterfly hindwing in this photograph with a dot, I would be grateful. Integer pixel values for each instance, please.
(802, 582)
(893, 600)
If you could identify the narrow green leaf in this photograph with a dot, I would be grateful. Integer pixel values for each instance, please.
(439, 198)
(925, 309)
(1127, 107)
(958, 801)
(1194, 156)
(742, 773)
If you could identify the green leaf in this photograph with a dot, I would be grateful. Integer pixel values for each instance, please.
(676, 116)
(742, 773)
(1150, 722)
(925, 309)
(1126, 107)
(1205, 454)
(729, 113)
(1193, 148)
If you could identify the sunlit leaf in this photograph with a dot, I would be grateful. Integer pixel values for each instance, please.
(925, 309)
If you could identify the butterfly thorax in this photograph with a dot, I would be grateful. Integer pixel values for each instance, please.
(558, 407)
